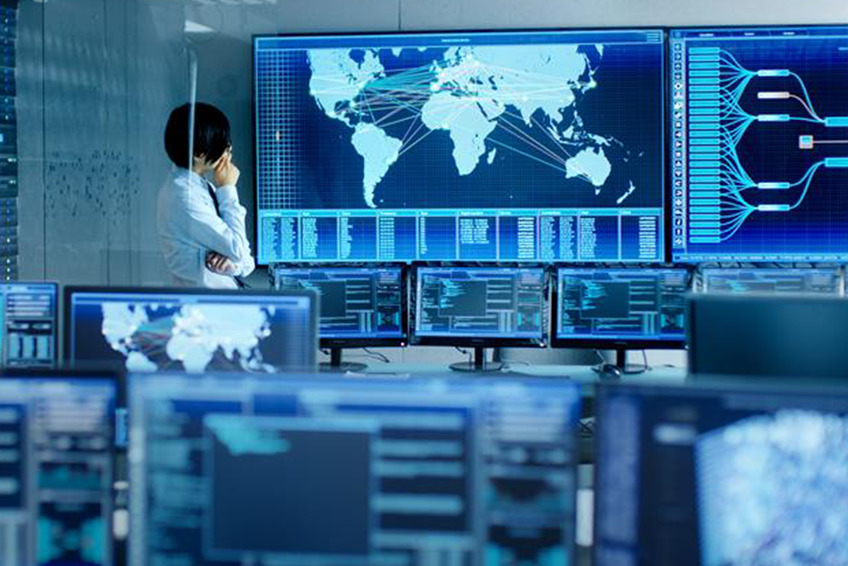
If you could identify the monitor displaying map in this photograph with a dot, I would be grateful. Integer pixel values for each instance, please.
(496, 146)
(194, 331)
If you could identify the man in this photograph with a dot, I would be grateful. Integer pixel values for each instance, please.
(201, 224)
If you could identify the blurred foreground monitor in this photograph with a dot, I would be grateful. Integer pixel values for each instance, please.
(309, 470)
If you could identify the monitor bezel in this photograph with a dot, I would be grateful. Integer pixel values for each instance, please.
(360, 342)
(704, 300)
(558, 341)
(479, 341)
(684, 259)
(71, 290)
(665, 222)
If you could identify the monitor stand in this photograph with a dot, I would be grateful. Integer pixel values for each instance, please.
(620, 367)
(479, 365)
(336, 364)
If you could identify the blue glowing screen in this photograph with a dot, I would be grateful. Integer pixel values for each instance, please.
(57, 470)
(460, 146)
(479, 302)
(760, 144)
(750, 476)
(357, 303)
(772, 280)
(621, 304)
(148, 330)
(361, 472)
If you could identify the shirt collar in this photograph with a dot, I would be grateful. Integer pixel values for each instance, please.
(192, 178)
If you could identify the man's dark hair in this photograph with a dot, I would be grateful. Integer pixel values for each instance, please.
(211, 133)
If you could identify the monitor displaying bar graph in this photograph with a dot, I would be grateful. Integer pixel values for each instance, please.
(760, 144)
(28, 324)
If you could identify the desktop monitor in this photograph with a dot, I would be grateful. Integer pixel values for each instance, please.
(236, 470)
(480, 306)
(824, 281)
(717, 476)
(460, 146)
(768, 336)
(360, 306)
(620, 309)
(28, 323)
(57, 469)
(758, 149)
(144, 330)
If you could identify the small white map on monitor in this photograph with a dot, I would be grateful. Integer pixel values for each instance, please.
(199, 337)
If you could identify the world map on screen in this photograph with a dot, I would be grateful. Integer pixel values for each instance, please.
(192, 338)
(500, 101)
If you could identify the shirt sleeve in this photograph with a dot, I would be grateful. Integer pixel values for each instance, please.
(224, 234)
(233, 214)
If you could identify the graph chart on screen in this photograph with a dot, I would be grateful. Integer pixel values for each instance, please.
(760, 144)
(519, 146)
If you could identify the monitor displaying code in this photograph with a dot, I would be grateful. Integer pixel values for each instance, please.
(760, 145)
(621, 304)
(349, 472)
(773, 280)
(356, 303)
(56, 471)
(720, 476)
(477, 302)
(498, 146)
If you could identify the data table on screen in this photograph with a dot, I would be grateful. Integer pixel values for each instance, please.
(496, 146)
(760, 144)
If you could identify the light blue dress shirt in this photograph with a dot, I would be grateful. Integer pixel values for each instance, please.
(190, 227)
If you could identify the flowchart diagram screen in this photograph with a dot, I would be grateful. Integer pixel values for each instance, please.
(760, 144)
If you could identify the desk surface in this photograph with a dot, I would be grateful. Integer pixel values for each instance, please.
(580, 374)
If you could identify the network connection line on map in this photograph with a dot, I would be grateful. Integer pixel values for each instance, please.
(411, 89)
(718, 123)
(481, 105)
